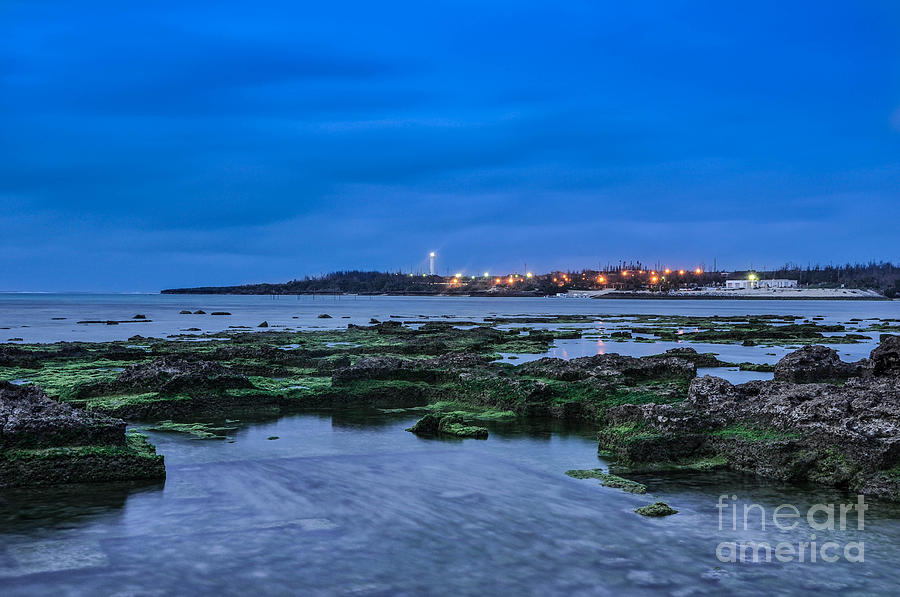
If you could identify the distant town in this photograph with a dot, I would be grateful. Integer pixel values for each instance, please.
(873, 280)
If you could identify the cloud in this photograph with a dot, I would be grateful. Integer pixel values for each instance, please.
(245, 144)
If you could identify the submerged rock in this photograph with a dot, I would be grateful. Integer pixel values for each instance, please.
(450, 424)
(656, 509)
(609, 480)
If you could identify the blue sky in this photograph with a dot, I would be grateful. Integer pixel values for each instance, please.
(150, 145)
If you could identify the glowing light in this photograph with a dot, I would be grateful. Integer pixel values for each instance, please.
(458, 276)
(529, 275)
(554, 279)
(497, 281)
(698, 271)
(510, 279)
(601, 279)
(431, 254)
(668, 271)
(654, 279)
(487, 274)
(681, 272)
(752, 276)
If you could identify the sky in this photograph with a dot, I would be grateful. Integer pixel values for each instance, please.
(170, 144)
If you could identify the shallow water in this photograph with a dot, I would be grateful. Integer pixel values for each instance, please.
(30, 316)
(354, 505)
(349, 503)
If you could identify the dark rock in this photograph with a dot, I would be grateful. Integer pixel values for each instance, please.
(426, 426)
(170, 376)
(324, 316)
(184, 312)
(264, 324)
(220, 313)
(886, 356)
(450, 424)
(815, 363)
(14, 356)
(706, 359)
(394, 368)
(14, 340)
(711, 394)
(611, 365)
(199, 312)
(139, 316)
(29, 419)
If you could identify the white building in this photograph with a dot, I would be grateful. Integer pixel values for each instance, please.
(750, 279)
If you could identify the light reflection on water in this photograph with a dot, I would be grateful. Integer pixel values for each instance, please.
(352, 504)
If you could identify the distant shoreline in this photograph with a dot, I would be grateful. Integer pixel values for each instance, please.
(611, 295)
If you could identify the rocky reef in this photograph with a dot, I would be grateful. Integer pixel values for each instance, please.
(45, 442)
(820, 420)
(845, 432)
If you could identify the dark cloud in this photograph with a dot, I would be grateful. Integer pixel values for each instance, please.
(276, 139)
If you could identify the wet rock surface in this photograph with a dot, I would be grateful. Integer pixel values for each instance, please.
(886, 358)
(816, 363)
(651, 412)
(171, 375)
(844, 434)
(30, 419)
(45, 442)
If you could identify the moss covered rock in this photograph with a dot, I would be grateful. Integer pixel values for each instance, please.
(656, 509)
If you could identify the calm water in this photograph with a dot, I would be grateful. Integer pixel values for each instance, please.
(351, 504)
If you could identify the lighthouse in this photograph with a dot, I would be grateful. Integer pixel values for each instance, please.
(431, 257)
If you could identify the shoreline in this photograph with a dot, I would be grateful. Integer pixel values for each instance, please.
(585, 295)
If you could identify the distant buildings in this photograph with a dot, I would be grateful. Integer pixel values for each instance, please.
(750, 279)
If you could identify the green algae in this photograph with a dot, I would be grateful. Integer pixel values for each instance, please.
(754, 434)
(609, 480)
(699, 464)
(656, 510)
(197, 430)
(136, 445)
(471, 412)
(451, 425)
(760, 367)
